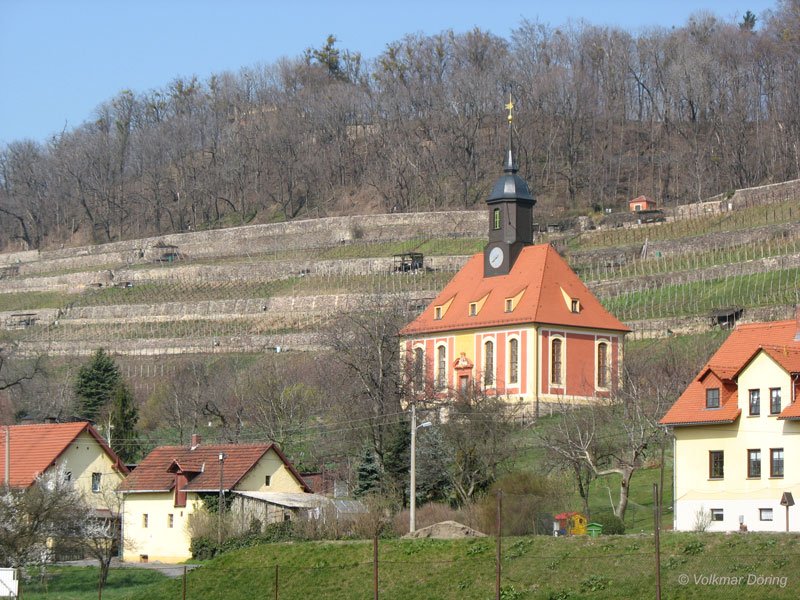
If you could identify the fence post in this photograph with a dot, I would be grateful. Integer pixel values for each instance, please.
(498, 567)
(183, 585)
(656, 528)
(276, 581)
(375, 564)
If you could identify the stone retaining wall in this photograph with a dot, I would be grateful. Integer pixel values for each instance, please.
(227, 309)
(257, 239)
(263, 271)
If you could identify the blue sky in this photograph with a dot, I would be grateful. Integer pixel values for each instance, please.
(59, 59)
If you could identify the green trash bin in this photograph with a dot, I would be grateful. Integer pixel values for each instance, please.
(594, 529)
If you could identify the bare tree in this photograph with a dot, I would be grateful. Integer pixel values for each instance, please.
(31, 518)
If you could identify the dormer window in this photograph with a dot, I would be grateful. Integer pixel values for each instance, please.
(575, 306)
(473, 309)
(712, 398)
(437, 313)
(509, 304)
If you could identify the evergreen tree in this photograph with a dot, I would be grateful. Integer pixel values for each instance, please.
(123, 419)
(368, 476)
(95, 385)
(397, 461)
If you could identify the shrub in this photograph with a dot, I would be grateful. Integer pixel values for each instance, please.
(612, 524)
(529, 502)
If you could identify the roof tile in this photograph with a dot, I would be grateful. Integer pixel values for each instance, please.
(540, 272)
(156, 471)
(776, 339)
(35, 448)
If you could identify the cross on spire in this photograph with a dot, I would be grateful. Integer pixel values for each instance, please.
(510, 167)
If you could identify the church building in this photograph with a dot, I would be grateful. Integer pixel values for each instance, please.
(515, 320)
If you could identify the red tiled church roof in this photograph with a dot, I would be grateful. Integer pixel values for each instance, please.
(35, 448)
(156, 472)
(777, 339)
(543, 277)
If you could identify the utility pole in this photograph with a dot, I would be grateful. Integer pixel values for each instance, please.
(221, 503)
(412, 525)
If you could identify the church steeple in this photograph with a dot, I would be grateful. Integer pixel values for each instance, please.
(510, 213)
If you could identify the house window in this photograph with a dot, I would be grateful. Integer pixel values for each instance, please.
(95, 482)
(267, 480)
(555, 369)
(496, 218)
(144, 521)
(776, 462)
(473, 309)
(488, 365)
(419, 368)
(509, 304)
(774, 401)
(765, 514)
(602, 365)
(754, 464)
(712, 398)
(437, 313)
(513, 360)
(755, 403)
(170, 520)
(575, 306)
(717, 514)
(441, 372)
(716, 464)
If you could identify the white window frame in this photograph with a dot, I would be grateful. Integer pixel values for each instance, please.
(509, 369)
(563, 340)
(441, 376)
(597, 344)
(492, 380)
(417, 379)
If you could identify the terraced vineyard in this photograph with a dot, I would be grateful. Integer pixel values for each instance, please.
(658, 278)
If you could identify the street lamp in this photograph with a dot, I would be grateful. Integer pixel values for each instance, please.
(412, 526)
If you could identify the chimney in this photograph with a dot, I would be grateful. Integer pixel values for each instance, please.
(195, 440)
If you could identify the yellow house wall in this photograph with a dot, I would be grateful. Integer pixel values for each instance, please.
(163, 544)
(281, 479)
(84, 457)
(736, 494)
(157, 541)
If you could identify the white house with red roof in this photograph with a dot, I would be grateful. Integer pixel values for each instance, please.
(28, 451)
(515, 320)
(737, 434)
(170, 484)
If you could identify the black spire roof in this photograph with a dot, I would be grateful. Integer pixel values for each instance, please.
(510, 186)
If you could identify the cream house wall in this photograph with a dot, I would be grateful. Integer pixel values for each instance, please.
(84, 457)
(281, 479)
(737, 495)
(162, 543)
(156, 541)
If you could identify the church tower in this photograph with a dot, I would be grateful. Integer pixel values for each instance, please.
(510, 215)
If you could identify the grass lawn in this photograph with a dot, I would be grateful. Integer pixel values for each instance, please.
(537, 567)
(80, 583)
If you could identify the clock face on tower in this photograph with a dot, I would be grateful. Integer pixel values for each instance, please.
(496, 257)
